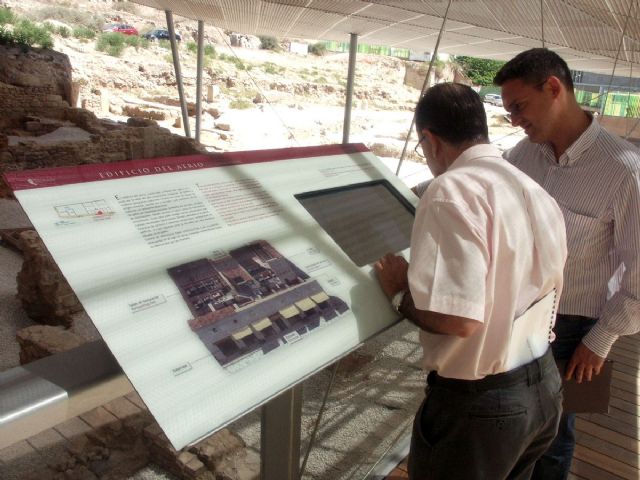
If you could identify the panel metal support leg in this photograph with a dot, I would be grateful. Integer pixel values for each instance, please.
(353, 51)
(280, 436)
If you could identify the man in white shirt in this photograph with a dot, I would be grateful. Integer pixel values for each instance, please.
(595, 178)
(487, 243)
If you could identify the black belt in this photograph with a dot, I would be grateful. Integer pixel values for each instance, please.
(530, 373)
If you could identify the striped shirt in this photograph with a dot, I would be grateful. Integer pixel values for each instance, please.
(596, 182)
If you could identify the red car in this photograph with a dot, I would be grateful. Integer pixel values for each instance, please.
(120, 28)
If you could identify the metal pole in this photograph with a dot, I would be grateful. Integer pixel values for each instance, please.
(199, 78)
(542, 21)
(176, 66)
(615, 62)
(353, 50)
(424, 85)
(280, 436)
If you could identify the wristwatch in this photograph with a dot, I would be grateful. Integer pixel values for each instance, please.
(396, 300)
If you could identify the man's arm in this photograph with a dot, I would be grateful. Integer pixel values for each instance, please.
(621, 314)
(438, 323)
(392, 275)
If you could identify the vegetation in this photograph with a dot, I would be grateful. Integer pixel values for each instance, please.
(26, 34)
(209, 50)
(70, 16)
(269, 43)
(241, 104)
(480, 71)
(114, 43)
(272, 68)
(240, 65)
(83, 33)
(6, 16)
(319, 49)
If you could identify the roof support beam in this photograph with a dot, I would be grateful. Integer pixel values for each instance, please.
(178, 71)
(353, 52)
(425, 85)
(199, 78)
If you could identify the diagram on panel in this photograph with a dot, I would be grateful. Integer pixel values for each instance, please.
(252, 300)
(94, 208)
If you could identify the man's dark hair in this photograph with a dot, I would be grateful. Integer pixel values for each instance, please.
(533, 67)
(454, 112)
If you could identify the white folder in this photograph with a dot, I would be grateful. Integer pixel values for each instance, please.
(532, 332)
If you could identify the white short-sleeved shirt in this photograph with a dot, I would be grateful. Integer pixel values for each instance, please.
(486, 243)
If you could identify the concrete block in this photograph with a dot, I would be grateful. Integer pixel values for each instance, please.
(98, 417)
(122, 408)
(72, 428)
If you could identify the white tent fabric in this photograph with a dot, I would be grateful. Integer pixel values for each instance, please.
(589, 34)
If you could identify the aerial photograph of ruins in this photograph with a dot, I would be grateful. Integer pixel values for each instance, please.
(252, 300)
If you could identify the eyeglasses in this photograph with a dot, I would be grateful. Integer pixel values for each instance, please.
(418, 148)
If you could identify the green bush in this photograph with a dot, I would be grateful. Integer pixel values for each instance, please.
(318, 49)
(209, 50)
(269, 43)
(27, 33)
(164, 44)
(63, 31)
(112, 43)
(6, 16)
(84, 33)
(269, 67)
(240, 65)
(241, 104)
(136, 42)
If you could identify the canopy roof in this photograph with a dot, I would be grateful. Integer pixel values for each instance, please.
(586, 33)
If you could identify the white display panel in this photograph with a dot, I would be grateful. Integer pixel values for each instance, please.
(210, 282)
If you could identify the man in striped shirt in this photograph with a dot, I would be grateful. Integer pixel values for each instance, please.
(595, 178)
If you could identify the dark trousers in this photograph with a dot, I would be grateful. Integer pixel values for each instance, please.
(556, 461)
(495, 428)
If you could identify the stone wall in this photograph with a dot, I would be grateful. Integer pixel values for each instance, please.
(108, 141)
(36, 68)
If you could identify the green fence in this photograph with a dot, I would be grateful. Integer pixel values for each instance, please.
(618, 104)
(334, 46)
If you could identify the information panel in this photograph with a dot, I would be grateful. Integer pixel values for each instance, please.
(219, 281)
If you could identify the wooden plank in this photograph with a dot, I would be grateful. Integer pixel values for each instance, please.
(624, 395)
(603, 447)
(606, 463)
(622, 385)
(590, 472)
(624, 353)
(628, 407)
(629, 419)
(630, 379)
(615, 425)
(628, 344)
(629, 360)
(608, 435)
(632, 371)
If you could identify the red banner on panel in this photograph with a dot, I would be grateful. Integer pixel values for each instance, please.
(51, 177)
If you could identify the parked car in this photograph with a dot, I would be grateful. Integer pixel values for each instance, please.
(493, 99)
(120, 28)
(159, 34)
